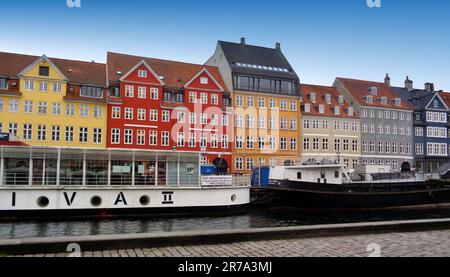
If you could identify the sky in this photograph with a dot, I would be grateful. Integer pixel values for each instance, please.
(322, 39)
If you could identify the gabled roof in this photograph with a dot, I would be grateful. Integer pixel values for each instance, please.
(238, 54)
(148, 68)
(418, 99)
(175, 74)
(445, 96)
(360, 89)
(321, 92)
(79, 72)
(204, 70)
(40, 60)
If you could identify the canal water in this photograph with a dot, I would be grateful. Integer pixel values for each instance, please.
(256, 218)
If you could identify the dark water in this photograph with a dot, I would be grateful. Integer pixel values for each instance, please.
(256, 218)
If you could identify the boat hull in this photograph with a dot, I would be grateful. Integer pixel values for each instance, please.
(68, 203)
(359, 197)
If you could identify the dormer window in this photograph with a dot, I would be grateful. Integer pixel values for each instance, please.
(337, 110)
(307, 108)
(204, 80)
(93, 92)
(436, 104)
(114, 92)
(373, 91)
(44, 71)
(350, 111)
(3, 83)
(398, 102)
(369, 99)
(142, 73)
(341, 100)
(321, 109)
(384, 100)
(313, 97)
(328, 98)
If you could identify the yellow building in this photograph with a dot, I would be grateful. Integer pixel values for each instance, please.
(53, 102)
(266, 104)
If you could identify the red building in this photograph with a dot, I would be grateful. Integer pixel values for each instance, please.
(168, 106)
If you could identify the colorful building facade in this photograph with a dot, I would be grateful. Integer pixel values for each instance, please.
(330, 127)
(386, 123)
(161, 105)
(266, 103)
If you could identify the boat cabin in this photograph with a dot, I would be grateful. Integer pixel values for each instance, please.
(320, 174)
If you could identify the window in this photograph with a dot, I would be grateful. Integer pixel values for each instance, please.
(28, 106)
(141, 115)
(250, 122)
(306, 124)
(57, 87)
(250, 143)
(272, 143)
(214, 141)
(3, 83)
(225, 142)
(250, 101)
(225, 120)
(142, 73)
(239, 101)
(321, 109)
(179, 97)
(56, 109)
(165, 138)
(27, 131)
(192, 97)
(129, 113)
(98, 112)
(29, 85)
(239, 121)
(154, 93)
(165, 116)
(204, 80)
(13, 106)
(192, 140)
(83, 135)
(204, 119)
(204, 98)
(272, 103)
(115, 136)
(192, 118)
(69, 134)
(42, 107)
(306, 145)
(94, 92)
(181, 117)
(419, 149)
(142, 92)
(239, 142)
(239, 164)
(141, 137)
(1, 105)
(273, 123)
(129, 91)
(215, 120)
(167, 96)
(56, 133)
(293, 124)
(283, 144)
(128, 136)
(262, 122)
(214, 99)
(13, 129)
(261, 102)
(249, 163)
(307, 108)
(283, 124)
(203, 140)
(70, 110)
(293, 144)
(44, 71)
(293, 106)
(180, 139)
(283, 105)
(153, 139)
(84, 110)
(42, 133)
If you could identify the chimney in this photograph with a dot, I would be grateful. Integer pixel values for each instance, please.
(409, 84)
(278, 46)
(387, 80)
(243, 40)
(429, 87)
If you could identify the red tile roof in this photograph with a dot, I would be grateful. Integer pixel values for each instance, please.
(78, 72)
(446, 97)
(359, 89)
(176, 74)
(320, 92)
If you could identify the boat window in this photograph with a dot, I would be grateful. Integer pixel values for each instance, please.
(336, 174)
(322, 175)
(299, 175)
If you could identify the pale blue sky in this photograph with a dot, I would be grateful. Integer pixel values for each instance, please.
(321, 38)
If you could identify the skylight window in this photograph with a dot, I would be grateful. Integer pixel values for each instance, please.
(262, 67)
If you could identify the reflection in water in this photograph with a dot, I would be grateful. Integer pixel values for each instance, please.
(254, 219)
